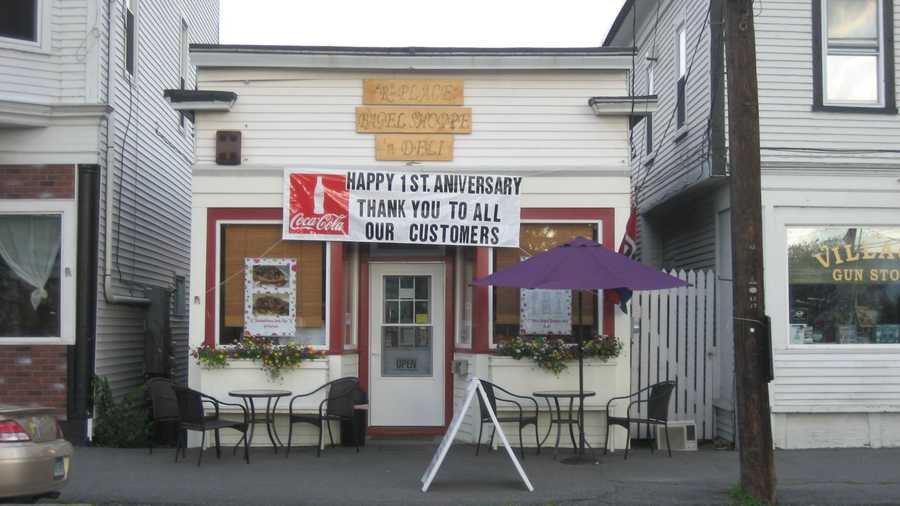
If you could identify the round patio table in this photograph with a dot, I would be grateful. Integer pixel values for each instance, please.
(248, 397)
(558, 420)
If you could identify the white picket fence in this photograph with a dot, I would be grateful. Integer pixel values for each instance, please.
(673, 339)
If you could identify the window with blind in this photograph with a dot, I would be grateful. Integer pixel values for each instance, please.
(536, 238)
(240, 241)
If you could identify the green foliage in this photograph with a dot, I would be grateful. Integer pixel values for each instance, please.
(123, 424)
(274, 358)
(738, 497)
(552, 354)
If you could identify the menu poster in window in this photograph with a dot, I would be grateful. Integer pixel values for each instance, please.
(545, 311)
(270, 297)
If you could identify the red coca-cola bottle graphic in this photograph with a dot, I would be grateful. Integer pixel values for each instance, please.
(319, 204)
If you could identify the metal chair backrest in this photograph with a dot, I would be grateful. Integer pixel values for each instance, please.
(489, 390)
(343, 394)
(163, 400)
(658, 403)
(190, 404)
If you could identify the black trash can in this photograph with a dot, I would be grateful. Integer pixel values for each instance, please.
(353, 433)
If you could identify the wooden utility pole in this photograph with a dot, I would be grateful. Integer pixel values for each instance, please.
(752, 346)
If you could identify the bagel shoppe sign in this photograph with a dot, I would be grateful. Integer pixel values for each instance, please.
(402, 207)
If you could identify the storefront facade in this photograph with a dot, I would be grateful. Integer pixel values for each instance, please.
(832, 267)
(403, 317)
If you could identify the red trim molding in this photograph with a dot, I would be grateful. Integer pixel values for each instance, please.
(336, 305)
(362, 316)
(480, 314)
(213, 217)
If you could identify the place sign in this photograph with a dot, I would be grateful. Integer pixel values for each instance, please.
(436, 120)
(410, 147)
(412, 92)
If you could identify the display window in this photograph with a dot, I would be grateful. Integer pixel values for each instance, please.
(844, 285)
(265, 280)
(523, 313)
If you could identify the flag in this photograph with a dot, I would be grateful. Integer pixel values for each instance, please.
(628, 248)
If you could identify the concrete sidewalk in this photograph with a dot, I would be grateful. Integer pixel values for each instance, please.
(389, 475)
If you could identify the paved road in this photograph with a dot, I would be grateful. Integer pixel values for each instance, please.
(389, 475)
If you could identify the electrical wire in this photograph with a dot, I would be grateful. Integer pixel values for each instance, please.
(687, 76)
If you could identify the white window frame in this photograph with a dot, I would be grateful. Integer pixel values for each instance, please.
(65, 209)
(599, 316)
(353, 311)
(218, 299)
(459, 302)
(880, 81)
(777, 268)
(42, 44)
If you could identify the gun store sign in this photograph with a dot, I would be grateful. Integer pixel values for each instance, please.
(402, 207)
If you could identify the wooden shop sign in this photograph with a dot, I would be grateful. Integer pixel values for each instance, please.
(423, 120)
(412, 147)
(412, 92)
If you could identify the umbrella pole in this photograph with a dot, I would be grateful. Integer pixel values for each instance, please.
(580, 457)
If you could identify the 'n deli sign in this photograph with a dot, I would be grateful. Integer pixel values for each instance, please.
(400, 207)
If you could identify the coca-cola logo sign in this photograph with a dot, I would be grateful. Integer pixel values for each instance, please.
(318, 204)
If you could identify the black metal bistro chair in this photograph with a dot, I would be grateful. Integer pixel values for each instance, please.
(523, 419)
(163, 406)
(340, 397)
(657, 412)
(193, 417)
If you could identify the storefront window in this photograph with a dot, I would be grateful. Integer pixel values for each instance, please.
(844, 285)
(466, 276)
(30, 275)
(242, 241)
(560, 306)
(347, 296)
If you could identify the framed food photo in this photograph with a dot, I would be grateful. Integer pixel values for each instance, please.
(270, 297)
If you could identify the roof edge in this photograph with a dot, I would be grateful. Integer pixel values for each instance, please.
(617, 23)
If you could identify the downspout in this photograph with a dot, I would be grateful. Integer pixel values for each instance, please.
(109, 294)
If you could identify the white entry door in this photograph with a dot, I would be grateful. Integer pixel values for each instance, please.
(406, 348)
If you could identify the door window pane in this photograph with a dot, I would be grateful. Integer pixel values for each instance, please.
(844, 285)
(407, 345)
(30, 275)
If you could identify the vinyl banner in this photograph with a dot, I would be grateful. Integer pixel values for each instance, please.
(401, 207)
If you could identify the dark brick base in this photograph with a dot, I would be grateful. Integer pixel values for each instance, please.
(33, 375)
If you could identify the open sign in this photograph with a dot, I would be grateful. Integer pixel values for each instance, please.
(406, 363)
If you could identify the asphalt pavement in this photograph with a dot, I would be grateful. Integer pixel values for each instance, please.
(385, 474)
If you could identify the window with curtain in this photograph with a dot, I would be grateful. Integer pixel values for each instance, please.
(536, 238)
(681, 69)
(241, 241)
(30, 275)
(844, 285)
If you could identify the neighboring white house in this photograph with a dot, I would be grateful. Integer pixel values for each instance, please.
(89, 150)
(830, 192)
(260, 110)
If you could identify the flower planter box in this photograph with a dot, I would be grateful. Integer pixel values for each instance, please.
(248, 374)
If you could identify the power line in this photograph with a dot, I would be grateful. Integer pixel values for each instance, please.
(675, 108)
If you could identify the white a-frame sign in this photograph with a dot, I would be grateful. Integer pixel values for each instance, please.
(474, 386)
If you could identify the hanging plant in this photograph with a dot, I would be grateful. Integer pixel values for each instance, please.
(553, 354)
(274, 358)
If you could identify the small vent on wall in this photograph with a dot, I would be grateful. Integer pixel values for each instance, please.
(228, 147)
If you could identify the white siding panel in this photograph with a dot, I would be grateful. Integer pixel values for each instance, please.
(784, 52)
(151, 219)
(519, 119)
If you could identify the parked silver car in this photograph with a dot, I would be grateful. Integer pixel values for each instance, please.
(34, 457)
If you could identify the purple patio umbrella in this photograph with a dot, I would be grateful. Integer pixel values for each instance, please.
(580, 264)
